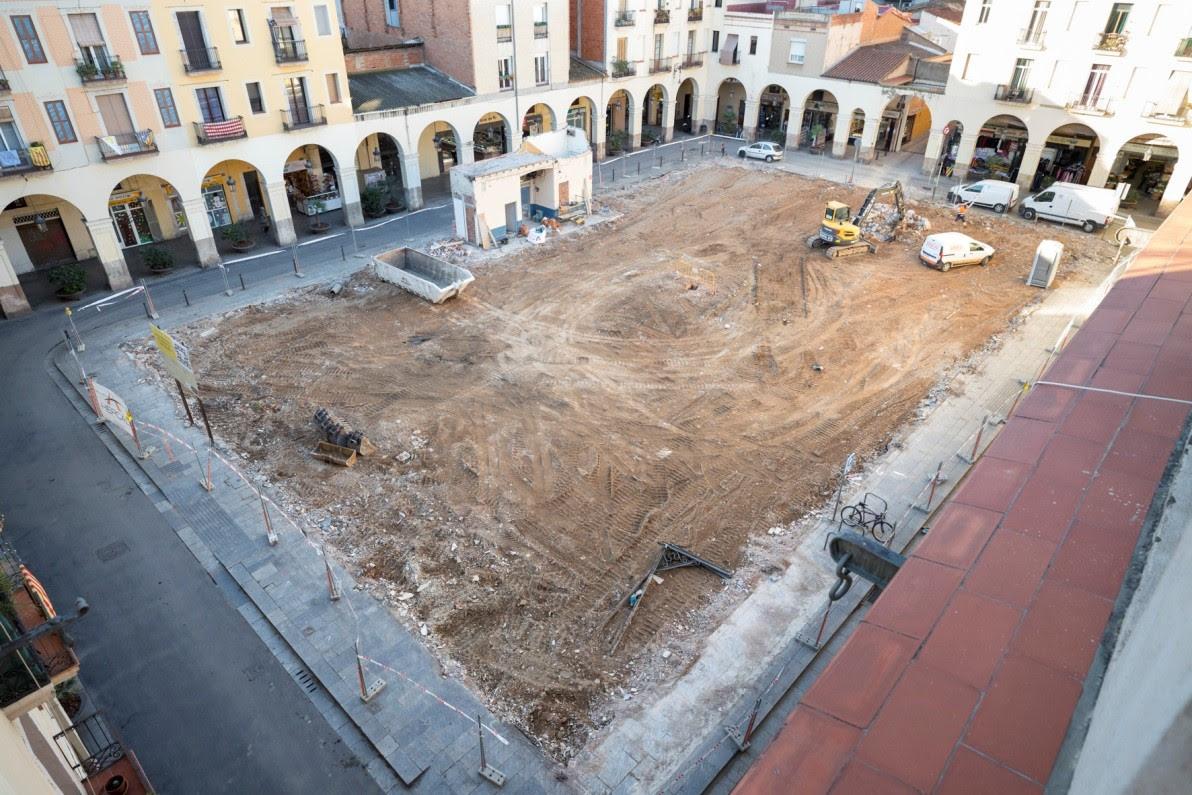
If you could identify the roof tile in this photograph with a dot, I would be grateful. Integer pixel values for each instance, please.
(970, 773)
(855, 684)
(1095, 558)
(819, 747)
(958, 535)
(1063, 628)
(1011, 567)
(861, 779)
(992, 483)
(1022, 441)
(914, 600)
(971, 638)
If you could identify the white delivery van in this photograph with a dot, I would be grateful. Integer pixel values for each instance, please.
(1089, 208)
(945, 249)
(993, 193)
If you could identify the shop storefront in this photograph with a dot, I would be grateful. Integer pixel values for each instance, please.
(215, 199)
(819, 121)
(999, 152)
(772, 114)
(313, 189)
(1068, 156)
(490, 139)
(132, 218)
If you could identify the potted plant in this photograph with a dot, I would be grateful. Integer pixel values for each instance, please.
(70, 281)
(239, 235)
(616, 141)
(394, 204)
(315, 208)
(158, 260)
(620, 67)
(372, 200)
(728, 122)
(87, 71)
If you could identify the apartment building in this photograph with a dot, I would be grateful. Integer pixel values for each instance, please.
(52, 740)
(131, 126)
(1088, 91)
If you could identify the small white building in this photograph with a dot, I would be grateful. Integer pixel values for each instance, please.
(549, 173)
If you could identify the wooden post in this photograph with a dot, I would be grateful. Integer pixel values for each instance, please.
(190, 418)
(270, 535)
(206, 423)
(332, 585)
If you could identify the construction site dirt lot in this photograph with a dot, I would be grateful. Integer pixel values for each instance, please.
(588, 398)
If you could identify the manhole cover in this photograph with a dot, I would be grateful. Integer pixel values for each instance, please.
(111, 551)
(308, 631)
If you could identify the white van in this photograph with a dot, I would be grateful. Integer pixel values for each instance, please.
(945, 249)
(1069, 203)
(994, 193)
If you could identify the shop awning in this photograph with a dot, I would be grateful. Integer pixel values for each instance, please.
(728, 52)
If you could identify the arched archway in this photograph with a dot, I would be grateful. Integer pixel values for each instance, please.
(1147, 163)
(905, 126)
(817, 128)
(491, 136)
(856, 131)
(151, 224)
(380, 170)
(1001, 143)
(582, 114)
(949, 146)
(312, 186)
(773, 114)
(730, 107)
(538, 119)
(438, 153)
(41, 232)
(234, 192)
(685, 105)
(616, 124)
(653, 113)
(1069, 155)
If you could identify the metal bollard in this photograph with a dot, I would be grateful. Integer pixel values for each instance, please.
(294, 255)
(242, 287)
(270, 536)
(186, 297)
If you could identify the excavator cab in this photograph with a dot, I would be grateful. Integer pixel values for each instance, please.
(838, 227)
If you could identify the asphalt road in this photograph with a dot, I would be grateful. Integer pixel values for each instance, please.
(183, 678)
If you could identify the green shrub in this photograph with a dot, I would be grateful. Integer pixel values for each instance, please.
(158, 258)
(236, 233)
(70, 278)
(373, 201)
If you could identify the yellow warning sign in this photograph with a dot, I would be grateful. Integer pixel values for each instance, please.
(175, 356)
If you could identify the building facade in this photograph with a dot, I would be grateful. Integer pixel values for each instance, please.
(131, 126)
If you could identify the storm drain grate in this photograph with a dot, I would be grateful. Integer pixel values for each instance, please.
(306, 681)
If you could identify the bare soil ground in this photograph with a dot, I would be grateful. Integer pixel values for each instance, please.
(594, 396)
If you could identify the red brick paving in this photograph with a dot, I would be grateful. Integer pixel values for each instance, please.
(964, 674)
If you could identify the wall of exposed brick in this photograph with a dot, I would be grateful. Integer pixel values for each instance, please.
(381, 59)
(587, 29)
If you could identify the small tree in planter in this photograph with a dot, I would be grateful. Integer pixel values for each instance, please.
(728, 122)
(158, 259)
(316, 207)
(70, 281)
(372, 201)
(239, 235)
(617, 141)
(394, 203)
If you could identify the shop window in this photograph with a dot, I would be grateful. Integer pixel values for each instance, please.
(165, 105)
(142, 26)
(27, 35)
(63, 130)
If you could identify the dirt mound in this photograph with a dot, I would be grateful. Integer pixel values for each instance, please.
(649, 380)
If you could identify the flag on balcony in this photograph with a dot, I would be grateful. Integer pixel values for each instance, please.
(38, 592)
(230, 128)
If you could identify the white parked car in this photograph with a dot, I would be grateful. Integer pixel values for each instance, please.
(945, 249)
(992, 193)
(762, 150)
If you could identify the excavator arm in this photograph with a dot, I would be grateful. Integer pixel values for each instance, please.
(893, 190)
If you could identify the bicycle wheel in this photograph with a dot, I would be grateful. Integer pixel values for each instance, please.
(852, 516)
(883, 531)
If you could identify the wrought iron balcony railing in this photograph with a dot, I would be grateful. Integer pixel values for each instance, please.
(204, 59)
(289, 50)
(114, 147)
(213, 132)
(297, 118)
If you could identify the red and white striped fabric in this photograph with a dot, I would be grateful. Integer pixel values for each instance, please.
(224, 129)
(38, 592)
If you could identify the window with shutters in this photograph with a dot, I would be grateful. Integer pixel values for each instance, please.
(239, 28)
(90, 41)
(142, 26)
(210, 104)
(798, 52)
(256, 102)
(166, 107)
(392, 14)
(322, 21)
(63, 130)
(27, 35)
(333, 96)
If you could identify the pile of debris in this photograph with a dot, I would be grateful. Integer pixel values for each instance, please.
(452, 250)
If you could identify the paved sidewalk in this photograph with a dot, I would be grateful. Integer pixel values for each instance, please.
(422, 725)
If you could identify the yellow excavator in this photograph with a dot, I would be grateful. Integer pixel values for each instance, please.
(840, 232)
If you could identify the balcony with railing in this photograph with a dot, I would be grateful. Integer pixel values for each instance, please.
(97, 72)
(692, 60)
(1014, 94)
(661, 16)
(1184, 49)
(115, 147)
(289, 50)
(1180, 115)
(1090, 106)
(695, 13)
(15, 162)
(99, 759)
(504, 33)
(541, 30)
(297, 118)
(214, 132)
(1030, 38)
(203, 59)
(28, 674)
(622, 69)
(625, 19)
(1112, 43)
(661, 65)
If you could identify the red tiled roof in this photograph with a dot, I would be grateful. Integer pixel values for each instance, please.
(870, 64)
(964, 674)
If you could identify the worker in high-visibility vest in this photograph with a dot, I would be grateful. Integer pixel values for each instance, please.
(962, 212)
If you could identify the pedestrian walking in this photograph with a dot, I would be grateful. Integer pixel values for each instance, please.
(962, 213)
